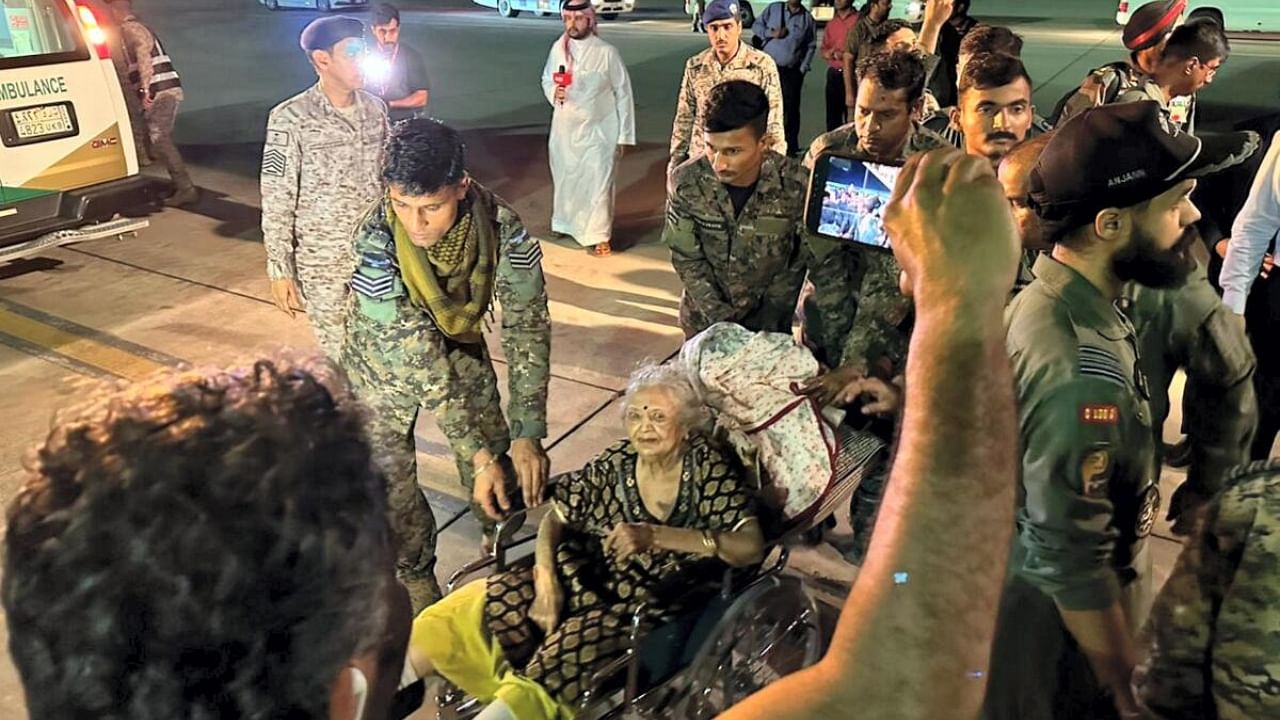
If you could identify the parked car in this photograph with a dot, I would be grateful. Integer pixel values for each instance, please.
(1236, 16)
(607, 9)
(321, 5)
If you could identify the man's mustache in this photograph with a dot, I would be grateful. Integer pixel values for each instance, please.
(1002, 136)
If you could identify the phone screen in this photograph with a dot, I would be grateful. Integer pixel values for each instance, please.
(847, 199)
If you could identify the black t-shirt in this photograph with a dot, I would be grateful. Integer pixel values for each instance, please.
(407, 75)
(739, 196)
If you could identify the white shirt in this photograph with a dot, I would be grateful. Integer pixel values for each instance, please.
(1255, 227)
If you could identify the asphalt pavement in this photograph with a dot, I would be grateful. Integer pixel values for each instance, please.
(190, 289)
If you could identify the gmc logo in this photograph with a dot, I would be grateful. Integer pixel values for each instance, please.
(105, 142)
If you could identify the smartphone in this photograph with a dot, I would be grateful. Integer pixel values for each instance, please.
(847, 199)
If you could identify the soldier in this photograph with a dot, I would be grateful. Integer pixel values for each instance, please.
(728, 58)
(1144, 37)
(433, 254)
(1192, 56)
(995, 111)
(320, 171)
(734, 220)
(1188, 328)
(153, 79)
(852, 285)
(1211, 649)
(1112, 192)
(884, 129)
(982, 40)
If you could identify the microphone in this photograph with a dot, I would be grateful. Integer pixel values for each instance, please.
(562, 78)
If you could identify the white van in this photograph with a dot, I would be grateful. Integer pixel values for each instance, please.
(67, 156)
(1235, 16)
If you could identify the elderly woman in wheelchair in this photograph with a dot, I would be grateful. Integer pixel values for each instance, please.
(651, 507)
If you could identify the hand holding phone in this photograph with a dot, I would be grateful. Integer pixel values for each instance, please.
(847, 199)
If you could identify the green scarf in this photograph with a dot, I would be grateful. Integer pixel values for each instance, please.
(453, 280)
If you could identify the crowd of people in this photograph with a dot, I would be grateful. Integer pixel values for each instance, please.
(252, 542)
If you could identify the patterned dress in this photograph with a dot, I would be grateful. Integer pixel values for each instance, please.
(602, 594)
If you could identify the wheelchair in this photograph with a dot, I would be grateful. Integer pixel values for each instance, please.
(750, 626)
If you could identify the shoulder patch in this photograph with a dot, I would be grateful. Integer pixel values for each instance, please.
(274, 161)
(1095, 473)
(277, 137)
(525, 253)
(1102, 364)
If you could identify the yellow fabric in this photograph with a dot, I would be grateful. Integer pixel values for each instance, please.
(457, 305)
(451, 634)
(446, 256)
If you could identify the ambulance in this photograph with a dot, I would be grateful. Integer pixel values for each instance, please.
(68, 168)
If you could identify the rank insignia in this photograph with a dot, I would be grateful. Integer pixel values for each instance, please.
(273, 162)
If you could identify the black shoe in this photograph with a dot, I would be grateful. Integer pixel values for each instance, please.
(183, 197)
(1178, 456)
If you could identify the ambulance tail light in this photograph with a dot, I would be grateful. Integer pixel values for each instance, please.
(94, 32)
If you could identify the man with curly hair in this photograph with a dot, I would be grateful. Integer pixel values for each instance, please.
(206, 545)
(433, 254)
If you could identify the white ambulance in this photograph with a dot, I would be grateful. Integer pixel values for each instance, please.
(67, 159)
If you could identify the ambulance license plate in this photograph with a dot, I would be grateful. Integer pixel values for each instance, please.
(43, 121)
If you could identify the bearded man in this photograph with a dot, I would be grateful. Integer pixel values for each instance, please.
(592, 120)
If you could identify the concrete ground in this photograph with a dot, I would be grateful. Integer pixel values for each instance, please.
(191, 288)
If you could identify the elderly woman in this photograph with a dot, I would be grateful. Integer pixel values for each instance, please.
(527, 641)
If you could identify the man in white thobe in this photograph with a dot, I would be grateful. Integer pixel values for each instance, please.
(593, 118)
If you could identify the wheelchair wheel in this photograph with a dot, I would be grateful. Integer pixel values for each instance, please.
(769, 632)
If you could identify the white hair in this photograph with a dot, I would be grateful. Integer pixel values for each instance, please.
(691, 410)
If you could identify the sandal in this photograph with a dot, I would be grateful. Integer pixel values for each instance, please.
(601, 249)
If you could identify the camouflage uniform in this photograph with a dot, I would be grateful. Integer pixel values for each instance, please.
(1180, 110)
(320, 171)
(703, 72)
(845, 276)
(1121, 82)
(746, 269)
(1212, 648)
(400, 364)
(1189, 327)
(1100, 87)
(1088, 495)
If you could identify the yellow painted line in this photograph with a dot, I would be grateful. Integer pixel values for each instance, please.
(78, 348)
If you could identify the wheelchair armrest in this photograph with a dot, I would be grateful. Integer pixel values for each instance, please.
(497, 558)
